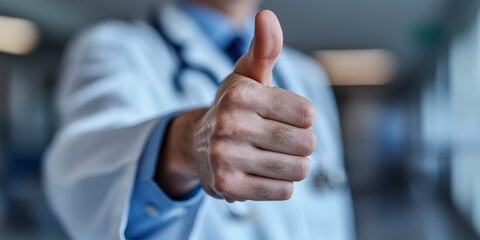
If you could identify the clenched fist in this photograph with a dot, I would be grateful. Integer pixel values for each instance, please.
(253, 142)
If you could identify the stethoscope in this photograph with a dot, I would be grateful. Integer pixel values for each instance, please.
(183, 65)
(322, 180)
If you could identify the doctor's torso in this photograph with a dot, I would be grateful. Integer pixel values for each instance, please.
(312, 212)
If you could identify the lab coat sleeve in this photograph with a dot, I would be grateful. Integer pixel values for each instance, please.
(153, 215)
(108, 111)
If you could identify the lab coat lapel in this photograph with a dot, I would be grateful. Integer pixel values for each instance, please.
(199, 50)
(286, 70)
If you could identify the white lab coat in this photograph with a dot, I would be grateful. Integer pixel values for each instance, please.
(116, 85)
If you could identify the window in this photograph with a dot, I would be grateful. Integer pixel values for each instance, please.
(464, 68)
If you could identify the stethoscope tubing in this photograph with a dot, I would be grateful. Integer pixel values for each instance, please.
(184, 66)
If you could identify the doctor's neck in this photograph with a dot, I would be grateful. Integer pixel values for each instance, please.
(239, 11)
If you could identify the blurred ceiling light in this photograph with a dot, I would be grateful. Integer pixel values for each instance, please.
(358, 67)
(17, 36)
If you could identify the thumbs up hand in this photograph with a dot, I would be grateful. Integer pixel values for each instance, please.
(253, 142)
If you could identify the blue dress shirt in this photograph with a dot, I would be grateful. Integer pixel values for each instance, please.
(217, 27)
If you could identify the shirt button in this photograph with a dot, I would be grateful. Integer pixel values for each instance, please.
(151, 210)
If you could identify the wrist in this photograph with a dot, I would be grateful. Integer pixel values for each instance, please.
(175, 171)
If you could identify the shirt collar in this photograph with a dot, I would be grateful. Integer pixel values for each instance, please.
(219, 28)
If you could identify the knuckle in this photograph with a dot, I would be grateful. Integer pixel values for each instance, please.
(226, 185)
(308, 144)
(281, 134)
(217, 152)
(301, 168)
(222, 124)
(221, 184)
(241, 130)
(286, 191)
(227, 126)
(275, 166)
(237, 94)
(307, 113)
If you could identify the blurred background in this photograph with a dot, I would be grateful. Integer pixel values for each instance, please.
(406, 75)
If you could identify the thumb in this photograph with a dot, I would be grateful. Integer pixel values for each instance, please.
(264, 50)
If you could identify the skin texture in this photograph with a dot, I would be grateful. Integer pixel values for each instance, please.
(253, 142)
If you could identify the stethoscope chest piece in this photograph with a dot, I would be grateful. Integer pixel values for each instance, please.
(240, 211)
(329, 180)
